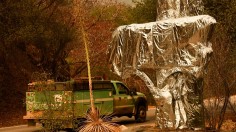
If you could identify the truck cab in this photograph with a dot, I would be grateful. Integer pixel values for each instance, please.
(129, 103)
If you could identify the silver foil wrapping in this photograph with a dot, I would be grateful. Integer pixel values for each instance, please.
(167, 9)
(170, 56)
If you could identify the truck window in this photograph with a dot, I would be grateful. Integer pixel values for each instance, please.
(122, 89)
(96, 86)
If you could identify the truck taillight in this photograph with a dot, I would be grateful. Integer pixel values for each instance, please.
(31, 86)
(29, 94)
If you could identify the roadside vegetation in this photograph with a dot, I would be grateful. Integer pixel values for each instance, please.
(220, 80)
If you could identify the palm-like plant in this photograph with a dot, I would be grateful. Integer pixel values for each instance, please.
(93, 123)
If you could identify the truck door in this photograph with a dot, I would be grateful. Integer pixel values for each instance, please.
(102, 94)
(123, 100)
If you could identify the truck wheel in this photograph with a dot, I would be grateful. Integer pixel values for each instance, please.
(31, 122)
(141, 114)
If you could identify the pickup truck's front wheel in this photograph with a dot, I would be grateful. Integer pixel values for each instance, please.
(141, 114)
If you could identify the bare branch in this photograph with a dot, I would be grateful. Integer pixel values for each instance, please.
(94, 23)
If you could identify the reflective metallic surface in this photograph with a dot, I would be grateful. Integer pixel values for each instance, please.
(170, 56)
(178, 8)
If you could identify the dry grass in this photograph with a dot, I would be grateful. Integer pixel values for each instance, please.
(94, 123)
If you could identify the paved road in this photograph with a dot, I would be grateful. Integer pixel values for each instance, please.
(22, 128)
(131, 124)
(127, 124)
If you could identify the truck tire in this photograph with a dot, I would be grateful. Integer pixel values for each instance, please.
(141, 114)
(31, 122)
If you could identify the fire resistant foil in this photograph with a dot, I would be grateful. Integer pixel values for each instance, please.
(170, 56)
(167, 9)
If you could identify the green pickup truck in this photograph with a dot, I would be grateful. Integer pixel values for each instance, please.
(68, 102)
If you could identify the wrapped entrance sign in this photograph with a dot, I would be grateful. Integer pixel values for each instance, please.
(170, 56)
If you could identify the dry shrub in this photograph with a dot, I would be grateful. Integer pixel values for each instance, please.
(228, 125)
(94, 123)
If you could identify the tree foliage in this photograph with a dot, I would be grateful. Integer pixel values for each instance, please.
(100, 19)
(225, 12)
(38, 30)
(144, 11)
(220, 80)
(223, 39)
